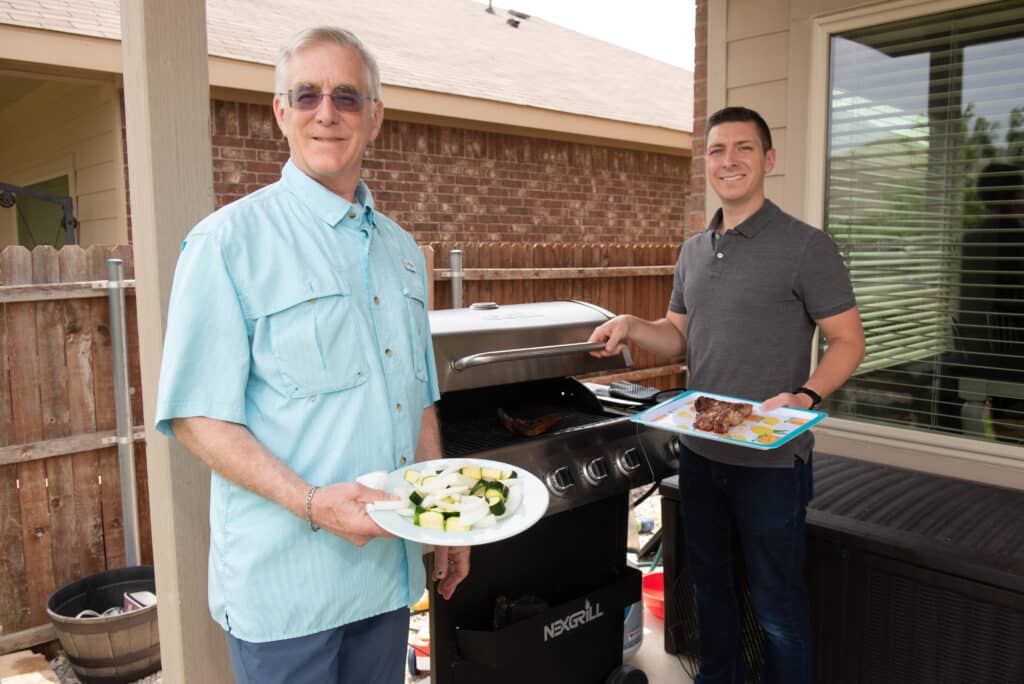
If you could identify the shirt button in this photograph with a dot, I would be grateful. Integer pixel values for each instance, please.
(351, 214)
(720, 255)
(401, 461)
(387, 352)
(376, 300)
(398, 407)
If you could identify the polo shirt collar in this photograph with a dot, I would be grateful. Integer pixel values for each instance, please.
(753, 224)
(332, 209)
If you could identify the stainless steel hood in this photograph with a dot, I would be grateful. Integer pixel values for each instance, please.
(486, 344)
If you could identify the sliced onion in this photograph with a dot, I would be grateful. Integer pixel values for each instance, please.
(486, 521)
(475, 515)
(515, 498)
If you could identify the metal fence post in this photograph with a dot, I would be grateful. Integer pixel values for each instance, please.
(456, 257)
(123, 407)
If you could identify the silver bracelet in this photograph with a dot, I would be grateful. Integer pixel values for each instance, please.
(309, 508)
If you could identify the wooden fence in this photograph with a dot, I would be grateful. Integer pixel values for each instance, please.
(60, 501)
(60, 498)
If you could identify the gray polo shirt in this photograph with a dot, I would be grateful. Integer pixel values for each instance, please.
(751, 299)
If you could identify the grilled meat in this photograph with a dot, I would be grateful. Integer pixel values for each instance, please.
(528, 427)
(714, 415)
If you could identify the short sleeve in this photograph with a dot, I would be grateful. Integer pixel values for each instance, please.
(823, 282)
(677, 303)
(205, 364)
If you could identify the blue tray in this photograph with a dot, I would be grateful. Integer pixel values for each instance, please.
(762, 430)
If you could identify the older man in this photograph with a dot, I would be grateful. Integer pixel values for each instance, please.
(298, 357)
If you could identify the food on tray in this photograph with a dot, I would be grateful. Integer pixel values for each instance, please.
(455, 498)
(706, 415)
(528, 427)
(714, 415)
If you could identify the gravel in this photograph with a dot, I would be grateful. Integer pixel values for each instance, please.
(66, 675)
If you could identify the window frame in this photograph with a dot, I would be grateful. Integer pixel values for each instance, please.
(941, 453)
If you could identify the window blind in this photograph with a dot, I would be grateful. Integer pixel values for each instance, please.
(925, 197)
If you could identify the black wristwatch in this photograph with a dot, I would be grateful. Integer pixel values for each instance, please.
(815, 397)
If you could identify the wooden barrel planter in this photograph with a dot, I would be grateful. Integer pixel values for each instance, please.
(116, 649)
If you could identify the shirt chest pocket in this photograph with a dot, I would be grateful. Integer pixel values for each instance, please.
(314, 334)
(416, 310)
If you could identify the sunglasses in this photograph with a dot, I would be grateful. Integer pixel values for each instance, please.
(343, 99)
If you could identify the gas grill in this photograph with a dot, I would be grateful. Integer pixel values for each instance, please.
(564, 582)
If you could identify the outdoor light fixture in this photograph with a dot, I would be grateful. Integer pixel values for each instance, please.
(6, 199)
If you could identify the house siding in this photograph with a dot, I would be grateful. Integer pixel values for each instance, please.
(67, 128)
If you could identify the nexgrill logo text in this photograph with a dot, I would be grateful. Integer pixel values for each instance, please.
(573, 620)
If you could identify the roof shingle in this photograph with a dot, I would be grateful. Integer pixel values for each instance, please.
(448, 46)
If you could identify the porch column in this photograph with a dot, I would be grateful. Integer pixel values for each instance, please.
(167, 113)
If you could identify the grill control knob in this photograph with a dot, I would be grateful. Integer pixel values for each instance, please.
(596, 471)
(561, 480)
(629, 461)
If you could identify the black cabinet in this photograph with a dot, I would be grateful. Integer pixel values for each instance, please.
(914, 578)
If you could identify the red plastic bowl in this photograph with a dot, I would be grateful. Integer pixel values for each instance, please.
(654, 593)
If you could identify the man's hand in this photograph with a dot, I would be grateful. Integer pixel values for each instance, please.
(341, 510)
(451, 566)
(665, 336)
(615, 335)
(800, 401)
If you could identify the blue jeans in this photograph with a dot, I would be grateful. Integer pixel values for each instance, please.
(371, 651)
(760, 513)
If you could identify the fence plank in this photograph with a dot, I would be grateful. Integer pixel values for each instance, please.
(73, 444)
(13, 594)
(88, 547)
(428, 258)
(53, 399)
(26, 638)
(27, 427)
(106, 419)
(43, 292)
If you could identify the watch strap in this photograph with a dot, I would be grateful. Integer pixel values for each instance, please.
(815, 397)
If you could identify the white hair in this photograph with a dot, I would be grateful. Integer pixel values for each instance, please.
(319, 35)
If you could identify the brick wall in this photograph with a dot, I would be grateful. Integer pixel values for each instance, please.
(453, 184)
(696, 221)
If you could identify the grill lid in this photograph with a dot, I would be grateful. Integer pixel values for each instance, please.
(486, 344)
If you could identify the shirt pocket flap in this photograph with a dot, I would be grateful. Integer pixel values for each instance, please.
(285, 295)
(414, 289)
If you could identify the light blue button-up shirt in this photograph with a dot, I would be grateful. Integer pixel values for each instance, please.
(304, 318)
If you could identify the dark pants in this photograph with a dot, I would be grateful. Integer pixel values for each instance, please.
(760, 513)
(370, 651)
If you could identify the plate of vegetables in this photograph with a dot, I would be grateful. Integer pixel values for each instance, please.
(460, 502)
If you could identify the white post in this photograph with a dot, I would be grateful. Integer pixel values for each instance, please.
(167, 117)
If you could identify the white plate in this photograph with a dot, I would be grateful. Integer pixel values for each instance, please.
(535, 504)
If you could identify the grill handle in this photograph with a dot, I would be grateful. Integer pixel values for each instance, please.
(525, 354)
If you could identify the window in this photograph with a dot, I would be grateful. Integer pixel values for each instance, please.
(925, 197)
